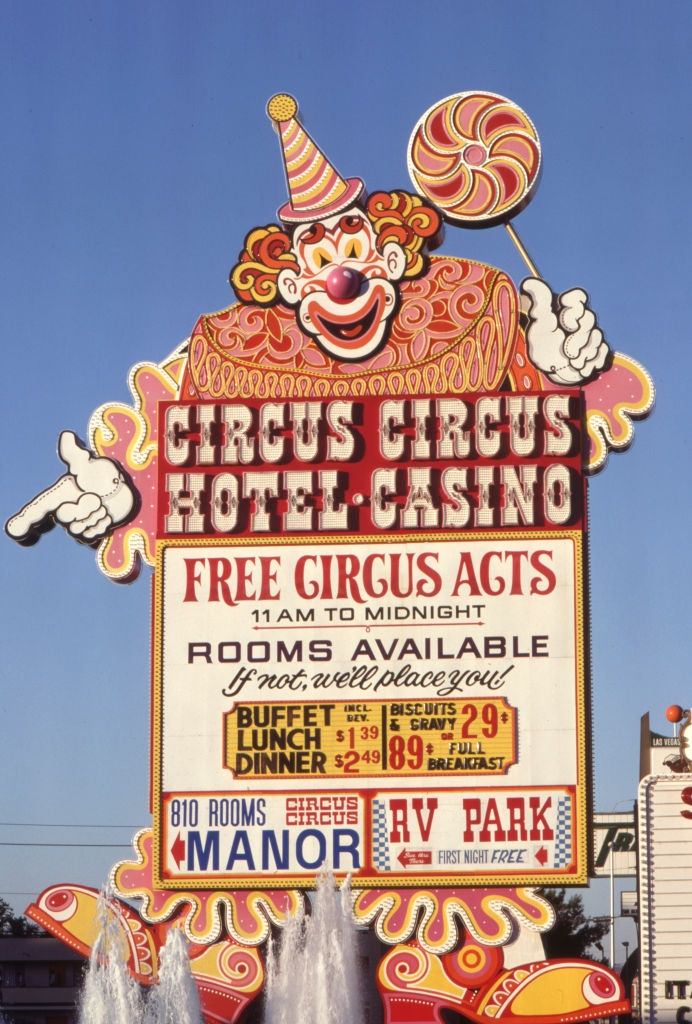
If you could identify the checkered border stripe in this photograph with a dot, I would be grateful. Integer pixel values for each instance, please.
(563, 832)
(380, 843)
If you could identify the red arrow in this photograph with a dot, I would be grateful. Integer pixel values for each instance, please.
(542, 856)
(417, 858)
(178, 850)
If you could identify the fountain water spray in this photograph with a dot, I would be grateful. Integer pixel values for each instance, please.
(175, 999)
(111, 996)
(313, 977)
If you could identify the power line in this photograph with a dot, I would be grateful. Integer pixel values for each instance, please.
(59, 824)
(20, 892)
(103, 846)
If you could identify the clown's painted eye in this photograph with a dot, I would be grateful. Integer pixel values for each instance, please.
(353, 249)
(351, 224)
(313, 234)
(321, 258)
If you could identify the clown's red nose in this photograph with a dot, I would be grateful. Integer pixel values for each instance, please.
(343, 283)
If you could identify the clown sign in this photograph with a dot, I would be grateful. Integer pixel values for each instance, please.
(362, 489)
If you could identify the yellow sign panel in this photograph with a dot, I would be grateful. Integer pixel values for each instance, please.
(378, 738)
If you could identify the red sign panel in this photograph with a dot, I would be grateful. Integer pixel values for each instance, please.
(481, 462)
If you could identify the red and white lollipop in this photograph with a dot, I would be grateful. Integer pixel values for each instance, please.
(477, 157)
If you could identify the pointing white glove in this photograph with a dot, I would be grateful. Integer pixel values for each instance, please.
(89, 500)
(565, 342)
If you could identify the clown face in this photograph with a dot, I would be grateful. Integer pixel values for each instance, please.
(344, 289)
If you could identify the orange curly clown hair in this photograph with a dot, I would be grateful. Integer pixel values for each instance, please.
(395, 217)
(406, 219)
(267, 251)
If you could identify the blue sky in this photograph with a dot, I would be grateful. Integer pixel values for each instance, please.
(136, 156)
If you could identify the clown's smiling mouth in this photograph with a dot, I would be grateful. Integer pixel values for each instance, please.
(351, 330)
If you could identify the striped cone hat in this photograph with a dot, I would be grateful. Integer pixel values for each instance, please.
(315, 187)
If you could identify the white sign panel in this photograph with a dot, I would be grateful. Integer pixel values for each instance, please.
(614, 845)
(665, 886)
(369, 704)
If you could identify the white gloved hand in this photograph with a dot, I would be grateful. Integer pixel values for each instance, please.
(89, 500)
(564, 339)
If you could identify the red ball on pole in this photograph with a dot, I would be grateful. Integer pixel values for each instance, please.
(674, 713)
